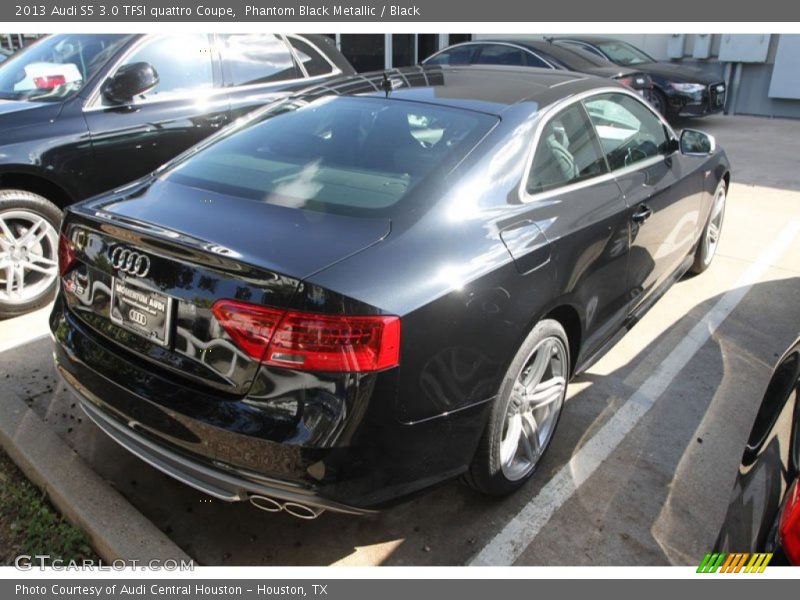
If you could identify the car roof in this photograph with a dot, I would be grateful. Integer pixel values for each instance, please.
(485, 88)
(591, 39)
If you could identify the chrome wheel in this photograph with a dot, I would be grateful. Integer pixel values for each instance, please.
(28, 256)
(714, 228)
(533, 408)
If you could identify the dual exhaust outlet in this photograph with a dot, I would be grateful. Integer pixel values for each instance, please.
(300, 511)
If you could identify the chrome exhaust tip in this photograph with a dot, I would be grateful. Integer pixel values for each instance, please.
(299, 511)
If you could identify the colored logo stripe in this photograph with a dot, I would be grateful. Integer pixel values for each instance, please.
(734, 562)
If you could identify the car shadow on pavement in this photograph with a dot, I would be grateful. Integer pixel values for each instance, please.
(658, 499)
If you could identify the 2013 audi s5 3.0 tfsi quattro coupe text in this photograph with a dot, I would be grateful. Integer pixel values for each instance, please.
(379, 283)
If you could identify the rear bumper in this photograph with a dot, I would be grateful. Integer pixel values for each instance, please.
(234, 448)
(228, 486)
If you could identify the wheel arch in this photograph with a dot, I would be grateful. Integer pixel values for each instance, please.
(37, 184)
(569, 318)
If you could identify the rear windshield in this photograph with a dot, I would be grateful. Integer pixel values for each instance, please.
(349, 155)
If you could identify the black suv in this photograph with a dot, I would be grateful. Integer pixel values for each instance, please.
(84, 113)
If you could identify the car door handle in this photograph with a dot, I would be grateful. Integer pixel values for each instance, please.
(643, 213)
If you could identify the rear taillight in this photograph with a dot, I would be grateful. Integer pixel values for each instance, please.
(49, 82)
(251, 326)
(66, 255)
(310, 341)
(790, 525)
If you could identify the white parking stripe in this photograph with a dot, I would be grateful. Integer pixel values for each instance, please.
(23, 330)
(518, 534)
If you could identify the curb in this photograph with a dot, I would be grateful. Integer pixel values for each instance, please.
(116, 530)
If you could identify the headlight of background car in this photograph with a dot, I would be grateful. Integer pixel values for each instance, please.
(690, 88)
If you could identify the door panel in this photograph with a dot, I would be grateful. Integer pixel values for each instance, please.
(662, 203)
(660, 242)
(185, 107)
(578, 207)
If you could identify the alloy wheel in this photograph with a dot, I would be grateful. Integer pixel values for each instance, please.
(534, 405)
(714, 229)
(28, 256)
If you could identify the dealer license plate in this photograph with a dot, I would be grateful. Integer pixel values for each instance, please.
(141, 311)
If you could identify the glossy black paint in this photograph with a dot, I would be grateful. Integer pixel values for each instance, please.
(663, 75)
(75, 148)
(770, 464)
(556, 56)
(467, 264)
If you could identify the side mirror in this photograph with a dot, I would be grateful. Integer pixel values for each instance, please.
(129, 81)
(697, 143)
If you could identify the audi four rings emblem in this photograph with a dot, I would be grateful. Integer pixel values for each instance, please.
(130, 262)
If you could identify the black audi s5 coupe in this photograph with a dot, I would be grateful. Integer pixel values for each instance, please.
(379, 283)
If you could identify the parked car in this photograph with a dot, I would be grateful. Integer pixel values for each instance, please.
(764, 512)
(678, 90)
(4, 54)
(542, 54)
(380, 283)
(83, 113)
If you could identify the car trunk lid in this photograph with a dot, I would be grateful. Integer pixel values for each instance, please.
(151, 263)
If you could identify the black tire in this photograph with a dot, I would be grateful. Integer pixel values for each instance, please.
(704, 253)
(34, 203)
(486, 472)
(659, 101)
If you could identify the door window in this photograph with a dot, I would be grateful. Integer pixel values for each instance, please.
(312, 60)
(256, 58)
(628, 131)
(500, 54)
(459, 55)
(183, 63)
(567, 152)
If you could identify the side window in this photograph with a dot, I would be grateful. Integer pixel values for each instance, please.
(460, 55)
(256, 58)
(628, 131)
(567, 152)
(499, 54)
(534, 61)
(182, 60)
(586, 48)
(312, 60)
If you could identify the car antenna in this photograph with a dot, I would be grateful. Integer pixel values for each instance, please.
(386, 83)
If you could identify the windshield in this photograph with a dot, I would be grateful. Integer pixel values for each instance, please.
(56, 66)
(349, 155)
(624, 54)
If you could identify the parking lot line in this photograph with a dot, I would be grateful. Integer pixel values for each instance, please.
(22, 330)
(523, 528)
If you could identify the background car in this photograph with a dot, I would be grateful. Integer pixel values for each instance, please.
(4, 54)
(83, 113)
(379, 283)
(678, 90)
(542, 54)
(764, 512)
